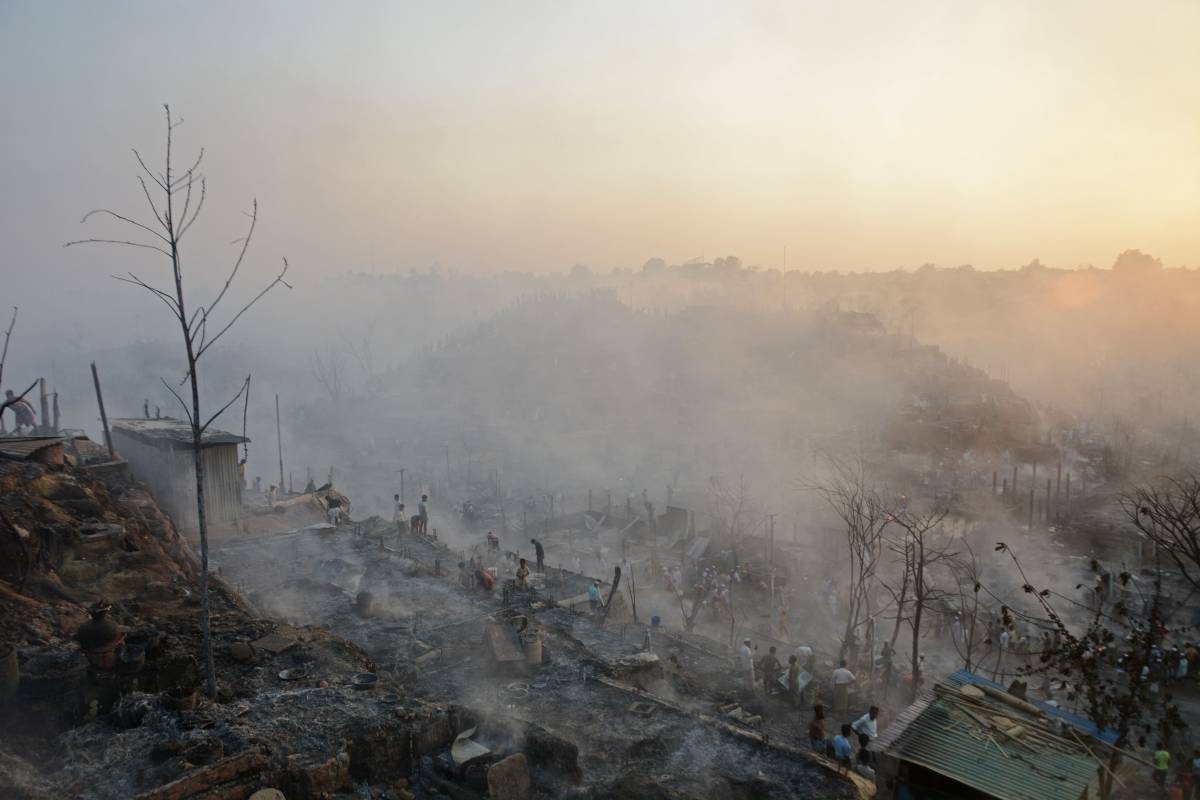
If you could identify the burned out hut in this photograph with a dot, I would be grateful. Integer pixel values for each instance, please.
(159, 453)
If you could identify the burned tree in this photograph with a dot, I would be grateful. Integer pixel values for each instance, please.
(921, 548)
(865, 515)
(1168, 514)
(1112, 666)
(182, 195)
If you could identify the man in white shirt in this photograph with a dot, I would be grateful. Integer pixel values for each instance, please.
(867, 724)
(746, 664)
(842, 679)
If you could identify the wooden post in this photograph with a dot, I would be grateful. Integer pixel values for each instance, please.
(56, 411)
(994, 476)
(1058, 483)
(1030, 506)
(279, 439)
(1047, 506)
(1014, 480)
(1068, 495)
(103, 416)
(45, 405)
(1004, 488)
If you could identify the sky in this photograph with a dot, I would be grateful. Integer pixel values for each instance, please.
(532, 136)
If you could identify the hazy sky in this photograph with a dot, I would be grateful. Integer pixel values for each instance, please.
(861, 135)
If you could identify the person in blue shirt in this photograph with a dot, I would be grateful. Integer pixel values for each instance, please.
(843, 751)
(594, 595)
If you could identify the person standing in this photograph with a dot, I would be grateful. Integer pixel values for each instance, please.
(22, 411)
(746, 664)
(540, 552)
(843, 751)
(423, 513)
(793, 679)
(867, 725)
(594, 601)
(523, 575)
(399, 516)
(1162, 764)
(816, 729)
(770, 671)
(842, 681)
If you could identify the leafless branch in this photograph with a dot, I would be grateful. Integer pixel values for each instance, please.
(241, 256)
(182, 404)
(118, 241)
(278, 280)
(158, 216)
(187, 223)
(152, 176)
(245, 386)
(159, 293)
(135, 223)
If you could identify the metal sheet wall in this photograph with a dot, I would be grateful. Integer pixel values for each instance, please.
(171, 476)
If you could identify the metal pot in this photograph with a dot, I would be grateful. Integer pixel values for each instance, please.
(182, 698)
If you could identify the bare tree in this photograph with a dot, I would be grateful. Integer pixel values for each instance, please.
(865, 515)
(182, 195)
(328, 372)
(1168, 514)
(969, 582)
(923, 548)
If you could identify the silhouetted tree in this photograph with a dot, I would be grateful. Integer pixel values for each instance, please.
(182, 196)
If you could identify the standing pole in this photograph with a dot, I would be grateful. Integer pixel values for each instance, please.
(402, 485)
(245, 415)
(103, 416)
(1031, 488)
(56, 410)
(1047, 506)
(45, 405)
(772, 556)
(447, 469)
(279, 439)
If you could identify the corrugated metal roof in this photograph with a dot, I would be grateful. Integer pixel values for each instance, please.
(23, 447)
(1082, 723)
(176, 431)
(938, 735)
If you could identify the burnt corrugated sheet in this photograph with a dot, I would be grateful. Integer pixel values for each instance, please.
(931, 734)
(23, 447)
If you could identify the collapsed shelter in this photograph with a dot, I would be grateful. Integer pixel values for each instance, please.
(969, 738)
